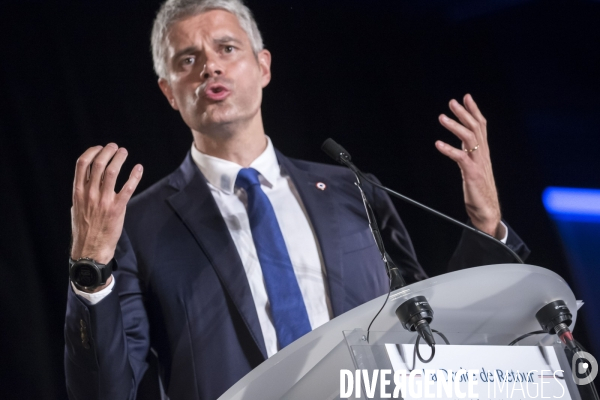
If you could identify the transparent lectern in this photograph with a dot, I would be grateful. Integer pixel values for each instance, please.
(489, 305)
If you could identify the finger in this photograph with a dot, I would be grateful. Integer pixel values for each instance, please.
(464, 116)
(465, 135)
(82, 167)
(112, 171)
(99, 165)
(457, 155)
(473, 109)
(129, 186)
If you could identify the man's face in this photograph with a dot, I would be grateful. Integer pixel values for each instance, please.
(214, 78)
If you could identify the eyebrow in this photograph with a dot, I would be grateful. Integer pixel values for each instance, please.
(226, 39)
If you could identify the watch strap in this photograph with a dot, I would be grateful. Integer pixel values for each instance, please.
(106, 272)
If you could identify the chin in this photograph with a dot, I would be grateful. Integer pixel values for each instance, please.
(214, 124)
(217, 113)
(214, 121)
(223, 117)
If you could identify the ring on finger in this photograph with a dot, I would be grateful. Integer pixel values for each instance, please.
(471, 150)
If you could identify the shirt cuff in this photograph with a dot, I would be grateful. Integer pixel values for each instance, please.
(505, 238)
(95, 298)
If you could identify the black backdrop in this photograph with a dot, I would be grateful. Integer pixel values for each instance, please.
(374, 75)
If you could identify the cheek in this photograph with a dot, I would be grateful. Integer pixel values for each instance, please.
(183, 89)
(251, 84)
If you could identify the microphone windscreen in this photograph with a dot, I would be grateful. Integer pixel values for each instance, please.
(334, 150)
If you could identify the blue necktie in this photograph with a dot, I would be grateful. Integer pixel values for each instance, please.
(287, 306)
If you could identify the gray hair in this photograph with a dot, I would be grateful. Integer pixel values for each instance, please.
(175, 10)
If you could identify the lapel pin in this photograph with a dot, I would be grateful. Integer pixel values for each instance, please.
(321, 185)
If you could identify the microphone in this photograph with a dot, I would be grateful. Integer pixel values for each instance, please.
(414, 314)
(335, 151)
(341, 155)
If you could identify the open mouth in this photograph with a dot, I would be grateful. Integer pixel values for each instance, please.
(216, 92)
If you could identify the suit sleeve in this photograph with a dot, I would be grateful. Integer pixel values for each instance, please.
(107, 344)
(395, 237)
(473, 250)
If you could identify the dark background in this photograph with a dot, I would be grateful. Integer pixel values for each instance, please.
(374, 75)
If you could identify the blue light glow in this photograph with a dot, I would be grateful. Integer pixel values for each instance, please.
(573, 203)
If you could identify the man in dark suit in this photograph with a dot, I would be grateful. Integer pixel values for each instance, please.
(241, 250)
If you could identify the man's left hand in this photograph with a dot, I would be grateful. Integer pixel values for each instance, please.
(481, 197)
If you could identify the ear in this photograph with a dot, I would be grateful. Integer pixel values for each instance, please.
(264, 62)
(165, 87)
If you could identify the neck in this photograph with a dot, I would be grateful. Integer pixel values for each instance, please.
(238, 143)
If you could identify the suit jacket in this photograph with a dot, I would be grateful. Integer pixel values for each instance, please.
(181, 288)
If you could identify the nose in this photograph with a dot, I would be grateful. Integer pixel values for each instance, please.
(211, 67)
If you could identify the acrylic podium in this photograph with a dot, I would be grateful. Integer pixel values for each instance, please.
(489, 305)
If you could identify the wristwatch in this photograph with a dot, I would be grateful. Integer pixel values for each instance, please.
(88, 274)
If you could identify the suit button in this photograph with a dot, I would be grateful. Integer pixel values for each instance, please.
(85, 341)
(84, 337)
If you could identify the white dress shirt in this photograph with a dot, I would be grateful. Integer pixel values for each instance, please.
(295, 226)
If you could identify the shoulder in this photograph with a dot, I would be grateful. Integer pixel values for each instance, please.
(326, 170)
(151, 206)
(156, 194)
(340, 181)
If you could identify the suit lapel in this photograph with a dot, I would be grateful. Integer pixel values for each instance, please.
(323, 214)
(198, 210)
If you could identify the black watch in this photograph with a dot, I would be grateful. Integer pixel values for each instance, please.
(88, 274)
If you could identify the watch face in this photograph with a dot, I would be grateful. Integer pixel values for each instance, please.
(85, 274)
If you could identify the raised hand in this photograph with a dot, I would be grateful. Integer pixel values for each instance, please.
(479, 187)
(98, 212)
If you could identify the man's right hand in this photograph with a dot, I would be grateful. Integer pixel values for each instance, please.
(98, 212)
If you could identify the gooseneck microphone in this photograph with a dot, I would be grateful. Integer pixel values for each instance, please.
(339, 154)
(415, 314)
(396, 279)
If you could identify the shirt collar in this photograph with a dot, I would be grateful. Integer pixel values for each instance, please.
(222, 173)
